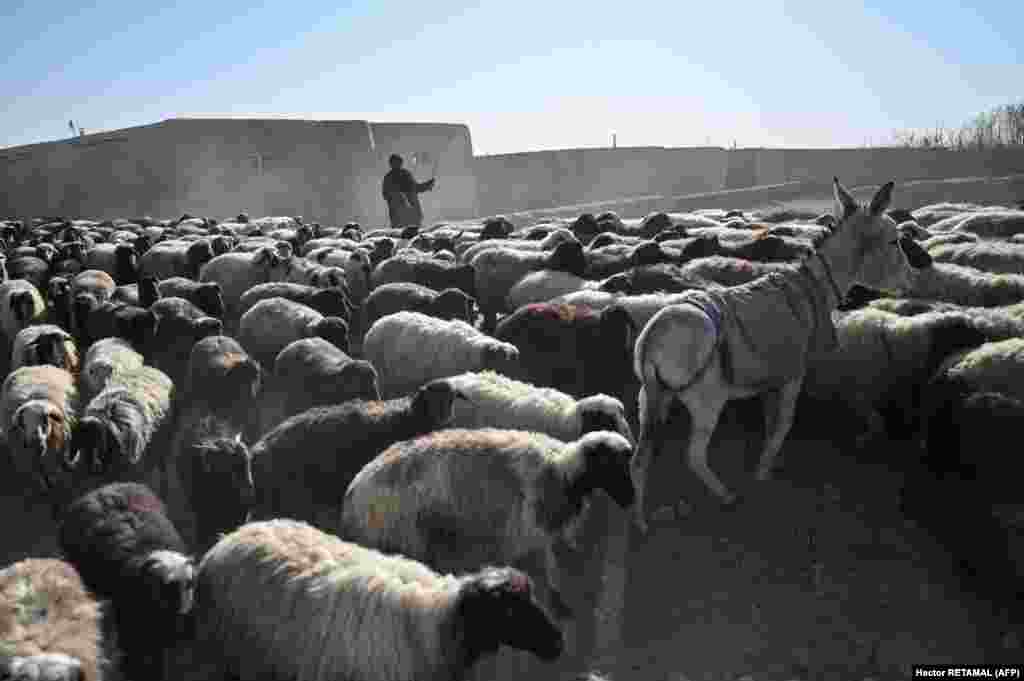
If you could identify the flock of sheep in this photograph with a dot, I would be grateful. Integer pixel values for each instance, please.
(316, 452)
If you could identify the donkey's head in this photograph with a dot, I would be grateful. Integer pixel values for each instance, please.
(867, 247)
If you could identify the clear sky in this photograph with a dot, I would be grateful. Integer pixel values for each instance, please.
(524, 75)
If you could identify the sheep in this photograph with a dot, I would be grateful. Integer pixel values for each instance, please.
(105, 358)
(993, 367)
(356, 266)
(882, 363)
(457, 499)
(20, 305)
(119, 260)
(966, 286)
(179, 326)
(409, 349)
(355, 613)
(214, 471)
(948, 238)
(52, 626)
(608, 260)
(498, 270)
(302, 466)
(206, 296)
(123, 431)
(544, 285)
(221, 377)
(58, 295)
(728, 271)
(425, 271)
(993, 222)
(655, 279)
(497, 227)
(176, 258)
(550, 242)
(142, 294)
(112, 319)
(38, 415)
(992, 257)
(908, 307)
(45, 344)
(313, 372)
(238, 272)
(89, 289)
(327, 301)
(495, 401)
(271, 324)
(120, 541)
(451, 303)
(30, 268)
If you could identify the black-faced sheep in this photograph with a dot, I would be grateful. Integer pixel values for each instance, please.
(458, 499)
(142, 294)
(205, 296)
(330, 302)
(21, 304)
(222, 378)
(214, 471)
(119, 260)
(491, 400)
(58, 296)
(176, 258)
(355, 613)
(120, 541)
(426, 271)
(52, 627)
(89, 289)
(313, 372)
(124, 430)
(608, 260)
(103, 359)
(498, 270)
(114, 319)
(574, 349)
(45, 344)
(38, 415)
(29, 268)
(272, 324)
(448, 304)
(179, 326)
(302, 466)
(408, 349)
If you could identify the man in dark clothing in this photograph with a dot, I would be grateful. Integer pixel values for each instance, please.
(401, 192)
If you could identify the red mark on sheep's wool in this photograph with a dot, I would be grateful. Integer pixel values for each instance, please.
(560, 313)
(140, 503)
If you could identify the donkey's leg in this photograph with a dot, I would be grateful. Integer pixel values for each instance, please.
(779, 408)
(705, 403)
(653, 402)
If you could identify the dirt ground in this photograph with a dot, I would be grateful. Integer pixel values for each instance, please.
(814, 576)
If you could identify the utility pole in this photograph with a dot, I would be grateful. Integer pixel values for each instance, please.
(613, 140)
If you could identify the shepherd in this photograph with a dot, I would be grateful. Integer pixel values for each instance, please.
(401, 192)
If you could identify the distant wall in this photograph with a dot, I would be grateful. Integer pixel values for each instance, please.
(533, 180)
(322, 170)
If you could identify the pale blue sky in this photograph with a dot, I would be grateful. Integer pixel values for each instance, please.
(524, 75)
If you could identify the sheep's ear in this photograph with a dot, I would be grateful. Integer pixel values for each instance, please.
(844, 204)
(882, 199)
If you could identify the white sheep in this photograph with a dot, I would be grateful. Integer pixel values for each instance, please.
(271, 324)
(545, 285)
(38, 415)
(103, 359)
(175, 258)
(21, 304)
(458, 499)
(993, 257)
(948, 238)
(993, 222)
(281, 599)
(491, 400)
(560, 235)
(51, 621)
(409, 349)
(45, 344)
(966, 286)
(238, 272)
(124, 431)
(996, 367)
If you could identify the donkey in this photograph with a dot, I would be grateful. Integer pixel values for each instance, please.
(754, 339)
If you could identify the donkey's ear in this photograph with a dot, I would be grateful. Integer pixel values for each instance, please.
(883, 197)
(845, 205)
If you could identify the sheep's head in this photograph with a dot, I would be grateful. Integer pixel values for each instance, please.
(331, 302)
(56, 349)
(95, 443)
(654, 223)
(360, 379)
(382, 250)
(585, 226)
(432, 405)
(618, 283)
(284, 250)
(127, 263)
(221, 244)
(149, 291)
(198, 254)
(206, 326)
(42, 431)
(498, 356)
(208, 298)
(169, 577)
(497, 227)
(601, 412)
(498, 606)
(43, 667)
(245, 377)
(226, 464)
(136, 325)
(568, 257)
(333, 329)
(23, 307)
(676, 232)
(648, 253)
(601, 240)
(329, 277)
(618, 330)
(605, 457)
(452, 303)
